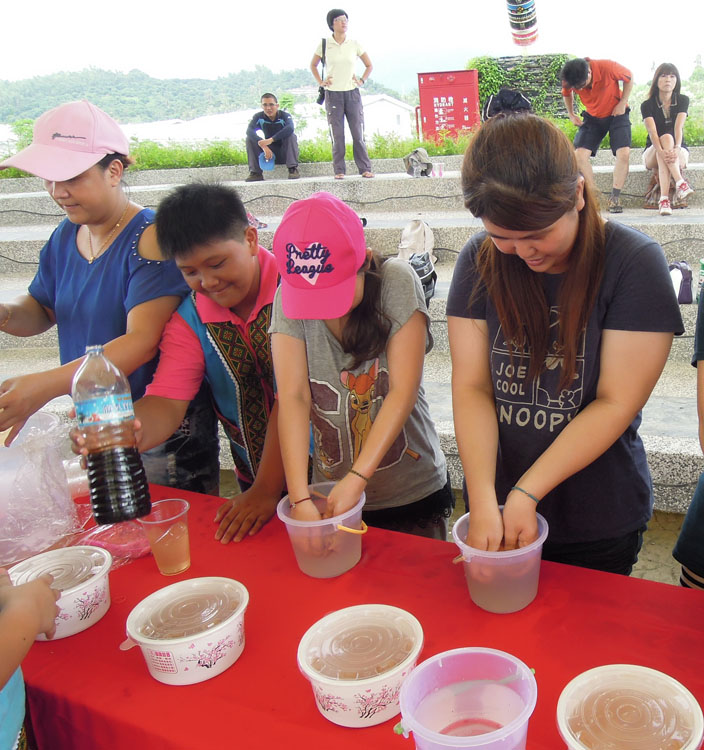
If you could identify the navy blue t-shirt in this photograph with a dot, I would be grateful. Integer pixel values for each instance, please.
(278, 129)
(91, 300)
(613, 495)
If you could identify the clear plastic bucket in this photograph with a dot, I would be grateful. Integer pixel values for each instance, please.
(469, 697)
(505, 581)
(628, 706)
(331, 546)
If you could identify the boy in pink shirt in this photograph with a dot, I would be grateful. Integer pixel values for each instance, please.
(220, 332)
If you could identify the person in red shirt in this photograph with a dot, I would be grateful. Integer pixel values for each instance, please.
(603, 87)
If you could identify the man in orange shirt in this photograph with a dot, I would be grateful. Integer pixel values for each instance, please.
(597, 84)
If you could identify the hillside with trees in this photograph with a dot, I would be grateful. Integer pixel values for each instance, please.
(137, 97)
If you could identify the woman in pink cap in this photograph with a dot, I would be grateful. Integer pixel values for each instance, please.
(101, 280)
(349, 335)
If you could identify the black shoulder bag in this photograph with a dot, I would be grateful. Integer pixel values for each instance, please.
(321, 89)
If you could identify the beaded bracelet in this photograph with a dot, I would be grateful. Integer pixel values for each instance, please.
(525, 492)
(293, 503)
(357, 474)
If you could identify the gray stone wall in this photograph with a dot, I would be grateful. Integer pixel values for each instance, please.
(532, 76)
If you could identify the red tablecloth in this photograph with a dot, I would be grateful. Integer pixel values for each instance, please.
(86, 694)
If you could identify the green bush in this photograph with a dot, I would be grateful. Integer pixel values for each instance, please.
(150, 155)
(490, 74)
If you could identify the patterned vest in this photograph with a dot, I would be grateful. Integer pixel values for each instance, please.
(240, 372)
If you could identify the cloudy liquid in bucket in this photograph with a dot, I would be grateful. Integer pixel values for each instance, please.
(630, 719)
(189, 614)
(469, 709)
(502, 588)
(323, 555)
(361, 651)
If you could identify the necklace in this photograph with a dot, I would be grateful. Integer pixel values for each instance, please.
(107, 242)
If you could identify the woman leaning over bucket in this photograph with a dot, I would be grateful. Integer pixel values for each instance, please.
(559, 327)
(348, 336)
(101, 280)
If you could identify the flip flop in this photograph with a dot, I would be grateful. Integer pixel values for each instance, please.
(339, 177)
(367, 174)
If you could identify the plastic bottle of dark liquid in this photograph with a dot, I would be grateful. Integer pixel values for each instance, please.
(118, 483)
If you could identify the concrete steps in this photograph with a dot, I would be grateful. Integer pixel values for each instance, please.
(389, 202)
(388, 193)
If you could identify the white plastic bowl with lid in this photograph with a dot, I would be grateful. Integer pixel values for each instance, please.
(356, 660)
(81, 575)
(628, 707)
(190, 631)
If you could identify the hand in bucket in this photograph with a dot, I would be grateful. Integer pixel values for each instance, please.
(344, 495)
(313, 543)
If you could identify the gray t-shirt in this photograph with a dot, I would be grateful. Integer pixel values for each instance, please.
(612, 496)
(345, 403)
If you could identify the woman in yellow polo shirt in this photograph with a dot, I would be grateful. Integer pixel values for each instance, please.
(342, 95)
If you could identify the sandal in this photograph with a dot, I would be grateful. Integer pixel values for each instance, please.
(339, 177)
(367, 174)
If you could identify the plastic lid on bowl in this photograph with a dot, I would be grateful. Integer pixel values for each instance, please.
(71, 567)
(628, 707)
(187, 608)
(360, 642)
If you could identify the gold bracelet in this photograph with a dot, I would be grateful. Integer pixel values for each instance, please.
(357, 474)
(7, 319)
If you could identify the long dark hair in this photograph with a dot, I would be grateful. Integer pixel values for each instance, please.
(664, 69)
(367, 329)
(521, 174)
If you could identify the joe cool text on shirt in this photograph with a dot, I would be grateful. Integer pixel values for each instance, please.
(316, 252)
(539, 404)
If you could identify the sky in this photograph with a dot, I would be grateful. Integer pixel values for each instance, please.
(209, 39)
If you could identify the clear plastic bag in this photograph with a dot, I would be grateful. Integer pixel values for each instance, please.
(36, 509)
(125, 541)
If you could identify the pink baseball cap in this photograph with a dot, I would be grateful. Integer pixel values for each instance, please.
(319, 248)
(69, 139)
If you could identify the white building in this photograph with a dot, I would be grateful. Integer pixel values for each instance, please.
(382, 114)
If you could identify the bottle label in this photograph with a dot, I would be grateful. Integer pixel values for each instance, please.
(105, 410)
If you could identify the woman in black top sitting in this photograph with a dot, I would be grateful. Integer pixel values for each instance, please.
(664, 113)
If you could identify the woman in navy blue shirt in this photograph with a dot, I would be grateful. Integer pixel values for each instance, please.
(101, 280)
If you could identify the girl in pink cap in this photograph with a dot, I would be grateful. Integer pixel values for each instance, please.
(101, 280)
(349, 335)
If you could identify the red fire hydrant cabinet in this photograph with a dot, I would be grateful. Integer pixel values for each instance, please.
(449, 103)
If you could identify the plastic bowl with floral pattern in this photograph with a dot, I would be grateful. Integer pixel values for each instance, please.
(190, 631)
(356, 660)
(81, 575)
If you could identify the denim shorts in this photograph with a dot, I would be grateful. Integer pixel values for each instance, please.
(617, 555)
(689, 548)
(426, 517)
(594, 129)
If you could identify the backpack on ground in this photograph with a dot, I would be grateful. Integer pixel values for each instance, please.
(505, 101)
(682, 281)
(418, 163)
(416, 247)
